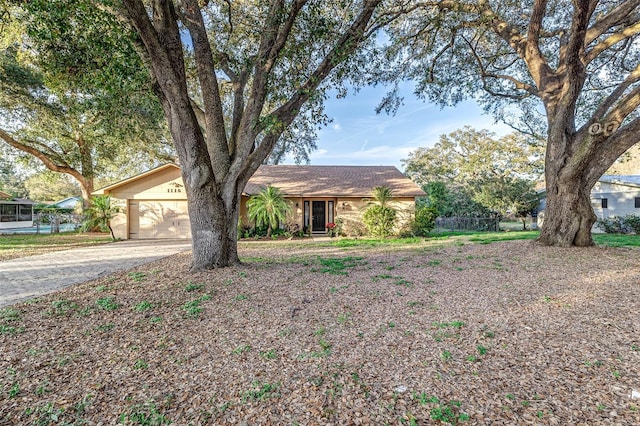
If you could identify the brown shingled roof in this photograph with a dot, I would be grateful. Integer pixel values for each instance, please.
(332, 181)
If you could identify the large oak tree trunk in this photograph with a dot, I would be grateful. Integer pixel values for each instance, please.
(568, 216)
(214, 231)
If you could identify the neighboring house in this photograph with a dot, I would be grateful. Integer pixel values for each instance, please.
(154, 203)
(69, 203)
(612, 196)
(15, 212)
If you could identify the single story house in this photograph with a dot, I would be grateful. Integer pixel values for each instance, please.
(15, 212)
(611, 196)
(69, 203)
(154, 203)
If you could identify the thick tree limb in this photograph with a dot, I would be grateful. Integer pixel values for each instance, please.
(63, 167)
(611, 41)
(216, 137)
(612, 19)
(613, 97)
(286, 113)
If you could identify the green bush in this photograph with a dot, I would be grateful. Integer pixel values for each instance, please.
(425, 221)
(380, 220)
(620, 225)
(632, 222)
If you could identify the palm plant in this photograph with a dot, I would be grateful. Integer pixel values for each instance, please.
(382, 194)
(100, 213)
(268, 207)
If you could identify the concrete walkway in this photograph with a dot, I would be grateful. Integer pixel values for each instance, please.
(29, 277)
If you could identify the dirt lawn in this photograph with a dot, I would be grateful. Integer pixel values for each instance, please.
(504, 333)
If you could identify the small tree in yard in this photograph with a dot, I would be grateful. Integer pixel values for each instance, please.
(424, 221)
(100, 213)
(268, 208)
(380, 219)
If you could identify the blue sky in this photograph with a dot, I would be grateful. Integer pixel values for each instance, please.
(359, 136)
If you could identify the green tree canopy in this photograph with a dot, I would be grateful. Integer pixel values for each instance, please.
(468, 156)
(566, 70)
(74, 95)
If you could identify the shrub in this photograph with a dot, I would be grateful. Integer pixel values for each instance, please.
(632, 222)
(380, 220)
(424, 222)
(620, 225)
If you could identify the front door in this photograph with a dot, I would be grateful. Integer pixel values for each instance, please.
(318, 214)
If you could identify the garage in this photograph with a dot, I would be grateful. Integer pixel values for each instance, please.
(158, 219)
(152, 205)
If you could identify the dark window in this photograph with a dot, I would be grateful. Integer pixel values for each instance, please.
(637, 202)
(604, 203)
(25, 213)
(8, 213)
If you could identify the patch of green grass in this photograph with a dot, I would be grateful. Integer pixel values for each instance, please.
(140, 364)
(105, 327)
(270, 354)
(30, 243)
(9, 314)
(7, 329)
(453, 324)
(241, 349)
(142, 306)
(191, 286)
(616, 240)
(481, 350)
(261, 391)
(137, 276)
(107, 304)
(491, 237)
(146, 414)
(240, 297)
(14, 390)
(446, 355)
(193, 308)
(62, 307)
(337, 266)
(344, 317)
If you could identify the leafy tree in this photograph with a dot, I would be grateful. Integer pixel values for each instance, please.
(468, 156)
(269, 208)
(571, 69)
(253, 70)
(11, 179)
(100, 213)
(50, 186)
(509, 196)
(380, 218)
(473, 173)
(383, 195)
(76, 97)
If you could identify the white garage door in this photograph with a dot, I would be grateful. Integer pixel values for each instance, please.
(158, 219)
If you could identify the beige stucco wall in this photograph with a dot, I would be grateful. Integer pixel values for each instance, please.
(164, 184)
(351, 210)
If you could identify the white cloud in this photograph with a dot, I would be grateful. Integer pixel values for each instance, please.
(337, 127)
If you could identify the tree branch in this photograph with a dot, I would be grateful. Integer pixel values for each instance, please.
(612, 19)
(216, 136)
(48, 162)
(613, 97)
(286, 113)
(612, 40)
